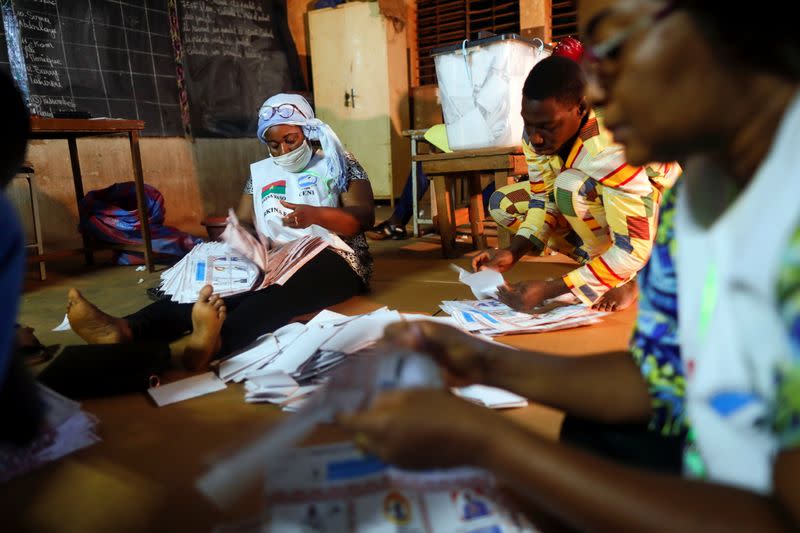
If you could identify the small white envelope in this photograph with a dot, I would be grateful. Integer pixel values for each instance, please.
(186, 388)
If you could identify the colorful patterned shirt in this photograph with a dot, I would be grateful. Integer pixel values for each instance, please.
(786, 412)
(654, 344)
(630, 196)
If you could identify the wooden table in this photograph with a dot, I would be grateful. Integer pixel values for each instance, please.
(70, 129)
(499, 163)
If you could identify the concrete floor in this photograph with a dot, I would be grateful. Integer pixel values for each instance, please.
(149, 458)
(410, 276)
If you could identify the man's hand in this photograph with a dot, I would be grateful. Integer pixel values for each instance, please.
(494, 259)
(424, 428)
(301, 217)
(525, 295)
(462, 357)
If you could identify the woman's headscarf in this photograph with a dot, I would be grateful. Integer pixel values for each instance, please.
(313, 128)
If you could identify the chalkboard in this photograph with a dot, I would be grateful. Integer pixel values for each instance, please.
(237, 53)
(109, 58)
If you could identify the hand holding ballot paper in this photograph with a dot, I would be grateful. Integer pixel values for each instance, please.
(488, 316)
(351, 388)
(242, 262)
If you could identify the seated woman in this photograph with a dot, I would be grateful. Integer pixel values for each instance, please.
(297, 187)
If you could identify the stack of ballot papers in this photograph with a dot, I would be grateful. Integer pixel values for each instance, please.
(339, 488)
(209, 263)
(486, 316)
(230, 272)
(66, 429)
(492, 318)
(243, 262)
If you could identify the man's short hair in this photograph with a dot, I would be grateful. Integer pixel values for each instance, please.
(14, 130)
(555, 77)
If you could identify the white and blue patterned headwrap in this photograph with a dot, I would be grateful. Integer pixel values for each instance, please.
(313, 128)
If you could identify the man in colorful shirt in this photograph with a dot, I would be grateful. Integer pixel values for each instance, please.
(582, 198)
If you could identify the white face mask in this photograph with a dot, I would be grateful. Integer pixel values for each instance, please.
(296, 160)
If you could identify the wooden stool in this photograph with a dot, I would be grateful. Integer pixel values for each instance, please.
(26, 173)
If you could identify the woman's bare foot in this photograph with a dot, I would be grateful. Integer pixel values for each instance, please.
(618, 298)
(194, 351)
(93, 325)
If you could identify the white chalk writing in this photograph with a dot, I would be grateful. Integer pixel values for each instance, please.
(36, 22)
(235, 28)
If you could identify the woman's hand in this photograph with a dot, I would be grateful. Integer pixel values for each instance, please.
(424, 428)
(302, 216)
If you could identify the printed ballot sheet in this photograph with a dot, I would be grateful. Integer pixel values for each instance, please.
(492, 318)
(242, 263)
(339, 488)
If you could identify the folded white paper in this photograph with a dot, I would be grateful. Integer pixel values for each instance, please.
(290, 358)
(270, 381)
(186, 389)
(64, 326)
(483, 283)
(264, 347)
(491, 396)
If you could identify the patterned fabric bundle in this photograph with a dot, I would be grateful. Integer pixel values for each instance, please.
(111, 215)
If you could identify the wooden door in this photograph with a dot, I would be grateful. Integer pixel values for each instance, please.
(351, 91)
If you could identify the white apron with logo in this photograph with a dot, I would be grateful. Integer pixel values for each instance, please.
(311, 186)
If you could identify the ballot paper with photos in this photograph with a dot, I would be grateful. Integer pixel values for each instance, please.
(66, 429)
(339, 488)
(211, 263)
(242, 262)
(492, 317)
(352, 387)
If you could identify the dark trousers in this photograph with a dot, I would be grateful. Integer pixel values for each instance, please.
(106, 369)
(94, 370)
(325, 280)
(630, 444)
